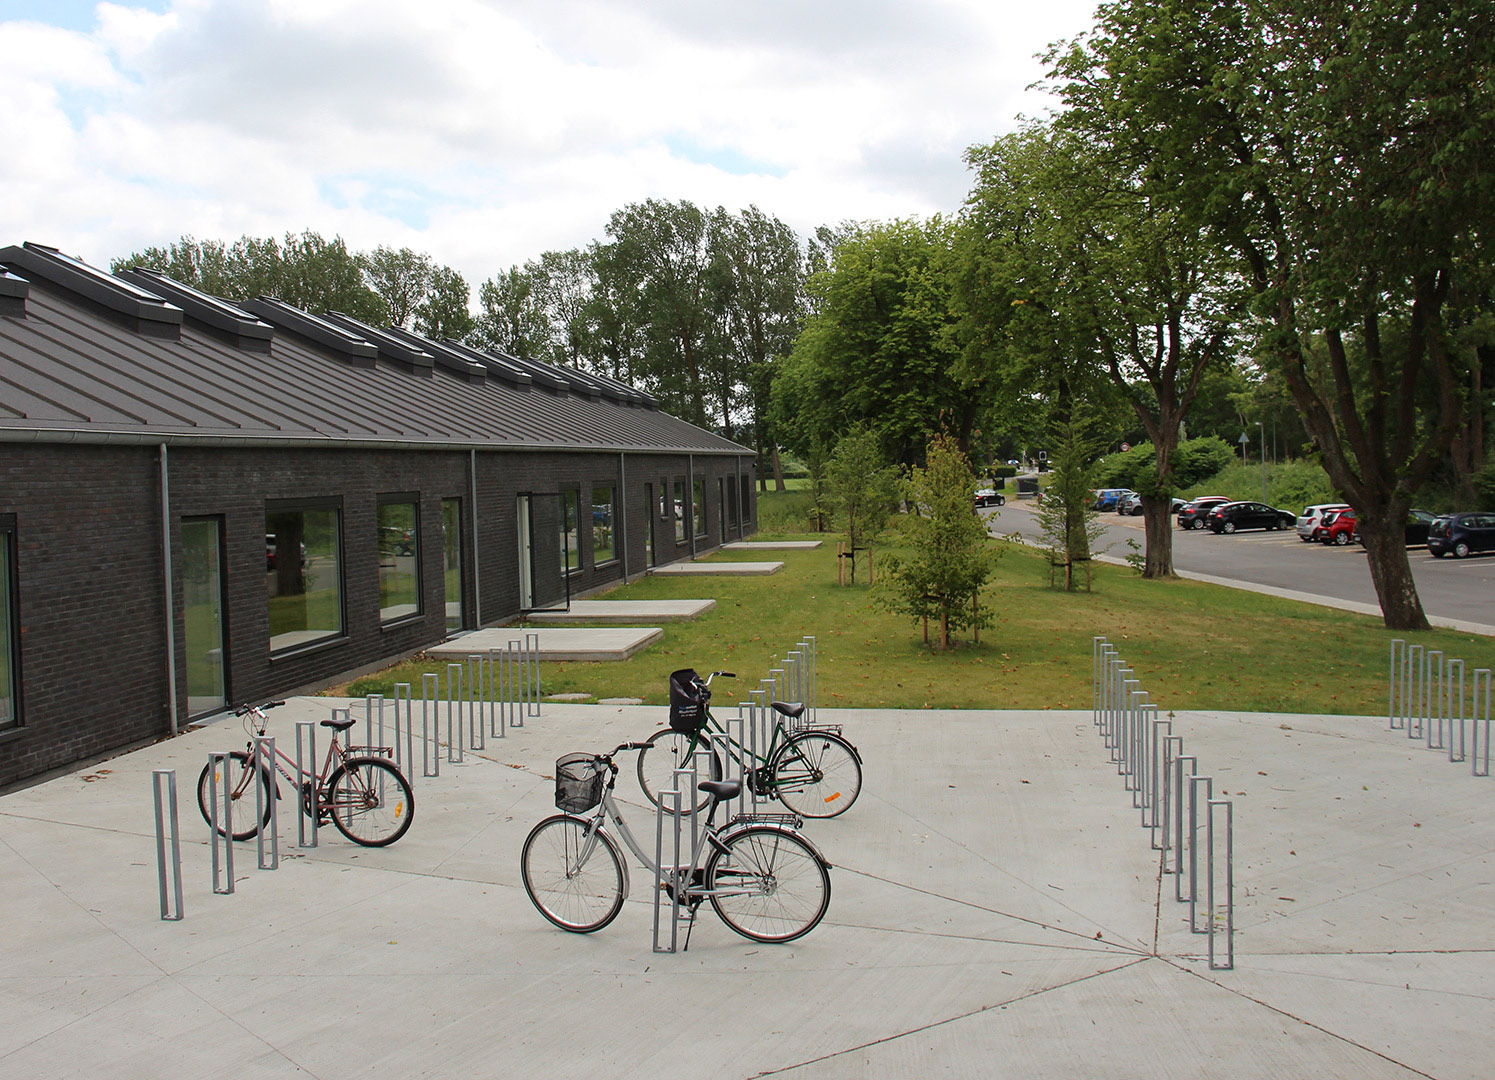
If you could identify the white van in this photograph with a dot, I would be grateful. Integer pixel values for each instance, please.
(1313, 516)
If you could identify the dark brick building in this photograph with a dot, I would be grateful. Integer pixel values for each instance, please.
(306, 497)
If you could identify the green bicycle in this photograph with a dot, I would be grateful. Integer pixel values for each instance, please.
(815, 772)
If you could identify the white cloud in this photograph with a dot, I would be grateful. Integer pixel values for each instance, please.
(487, 131)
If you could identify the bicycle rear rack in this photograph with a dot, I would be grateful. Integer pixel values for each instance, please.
(793, 821)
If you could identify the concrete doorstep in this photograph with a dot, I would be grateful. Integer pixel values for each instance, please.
(996, 910)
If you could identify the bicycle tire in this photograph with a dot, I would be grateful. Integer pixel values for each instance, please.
(657, 762)
(580, 898)
(370, 801)
(817, 775)
(787, 887)
(240, 790)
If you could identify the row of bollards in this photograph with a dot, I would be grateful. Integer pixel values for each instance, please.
(1174, 800)
(792, 679)
(481, 698)
(1428, 701)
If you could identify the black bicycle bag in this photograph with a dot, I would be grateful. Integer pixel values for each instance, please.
(688, 697)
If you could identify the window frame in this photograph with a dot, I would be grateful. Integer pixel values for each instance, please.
(677, 510)
(699, 520)
(335, 504)
(610, 524)
(571, 525)
(412, 500)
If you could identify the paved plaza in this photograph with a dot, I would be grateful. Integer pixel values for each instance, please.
(996, 911)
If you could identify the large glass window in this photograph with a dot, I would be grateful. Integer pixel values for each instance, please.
(679, 511)
(451, 560)
(732, 518)
(399, 559)
(10, 714)
(304, 549)
(698, 505)
(570, 537)
(202, 613)
(604, 547)
(747, 499)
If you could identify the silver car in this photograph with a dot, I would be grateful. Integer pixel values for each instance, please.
(1313, 516)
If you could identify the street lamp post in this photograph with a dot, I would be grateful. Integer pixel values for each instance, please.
(1261, 428)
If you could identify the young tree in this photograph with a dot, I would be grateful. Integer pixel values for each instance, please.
(401, 278)
(442, 312)
(951, 555)
(862, 487)
(1065, 517)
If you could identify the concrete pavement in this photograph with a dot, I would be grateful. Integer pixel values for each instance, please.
(995, 911)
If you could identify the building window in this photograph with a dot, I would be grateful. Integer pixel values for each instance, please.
(603, 541)
(698, 505)
(570, 538)
(10, 712)
(451, 561)
(679, 511)
(747, 499)
(304, 550)
(731, 488)
(399, 558)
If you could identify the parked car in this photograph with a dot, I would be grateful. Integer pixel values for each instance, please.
(1415, 530)
(1337, 527)
(989, 497)
(1313, 516)
(1106, 498)
(1192, 514)
(1129, 504)
(1462, 533)
(1234, 516)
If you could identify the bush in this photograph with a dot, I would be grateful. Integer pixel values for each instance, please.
(1194, 461)
(1484, 486)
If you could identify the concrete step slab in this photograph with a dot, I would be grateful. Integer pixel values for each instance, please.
(556, 643)
(771, 545)
(718, 569)
(621, 612)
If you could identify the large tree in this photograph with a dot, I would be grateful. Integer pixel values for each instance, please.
(1339, 152)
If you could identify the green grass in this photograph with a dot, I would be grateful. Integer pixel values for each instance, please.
(1194, 646)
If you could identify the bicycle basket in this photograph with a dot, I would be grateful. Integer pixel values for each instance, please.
(578, 783)
(688, 697)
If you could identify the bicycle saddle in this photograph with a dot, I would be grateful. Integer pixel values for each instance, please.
(338, 725)
(725, 790)
(791, 710)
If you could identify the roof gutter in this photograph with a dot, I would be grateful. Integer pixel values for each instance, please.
(65, 436)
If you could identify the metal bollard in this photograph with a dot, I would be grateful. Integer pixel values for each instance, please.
(1228, 809)
(163, 787)
(430, 726)
(306, 797)
(220, 822)
(264, 762)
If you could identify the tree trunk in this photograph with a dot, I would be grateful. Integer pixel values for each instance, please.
(1157, 515)
(944, 629)
(1385, 544)
(778, 470)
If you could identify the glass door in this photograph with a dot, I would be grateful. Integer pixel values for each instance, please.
(451, 546)
(649, 525)
(202, 614)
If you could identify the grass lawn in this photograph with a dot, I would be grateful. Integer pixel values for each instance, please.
(1193, 645)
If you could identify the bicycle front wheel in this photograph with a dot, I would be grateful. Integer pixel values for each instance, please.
(577, 889)
(767, 884)
(370, 801)
(817, 775)
(665, 752)
(238, 777)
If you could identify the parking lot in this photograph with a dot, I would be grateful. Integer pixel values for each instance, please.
(995, 909)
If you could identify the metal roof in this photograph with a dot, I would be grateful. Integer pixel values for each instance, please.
(78, 367)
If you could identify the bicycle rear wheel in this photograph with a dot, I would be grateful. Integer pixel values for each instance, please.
(666, 751)
(577, 895)
(370, 802)
(767, 884)
(240, 781)
(817, 775)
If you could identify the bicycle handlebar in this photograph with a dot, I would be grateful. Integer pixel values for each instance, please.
(247, 708)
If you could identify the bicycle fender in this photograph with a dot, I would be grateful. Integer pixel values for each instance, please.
(833, 737)
(761, 826)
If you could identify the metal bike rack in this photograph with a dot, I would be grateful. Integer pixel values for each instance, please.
(1435, 700)
(1173, 746)
(473, 703)
(1476, 718)
(1226, 807)
(1195, 802)
(430, 726)
(220, 823)
(306, 765)
(455, 740)
(168, 858)
(1156, 732)
(264, 763)
(672, 799)
(1179, 801)
(1456, 736)
(404, 756)
(1396, 681)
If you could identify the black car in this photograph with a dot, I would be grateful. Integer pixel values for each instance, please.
(1416, 530)
(1192, 515)
(1462, 534)
(1232, 517)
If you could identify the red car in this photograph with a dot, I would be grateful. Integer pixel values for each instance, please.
(1336, 528)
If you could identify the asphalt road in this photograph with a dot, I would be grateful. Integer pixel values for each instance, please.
(1460, 589)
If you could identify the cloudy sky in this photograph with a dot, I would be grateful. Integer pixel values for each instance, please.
(488, 131)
